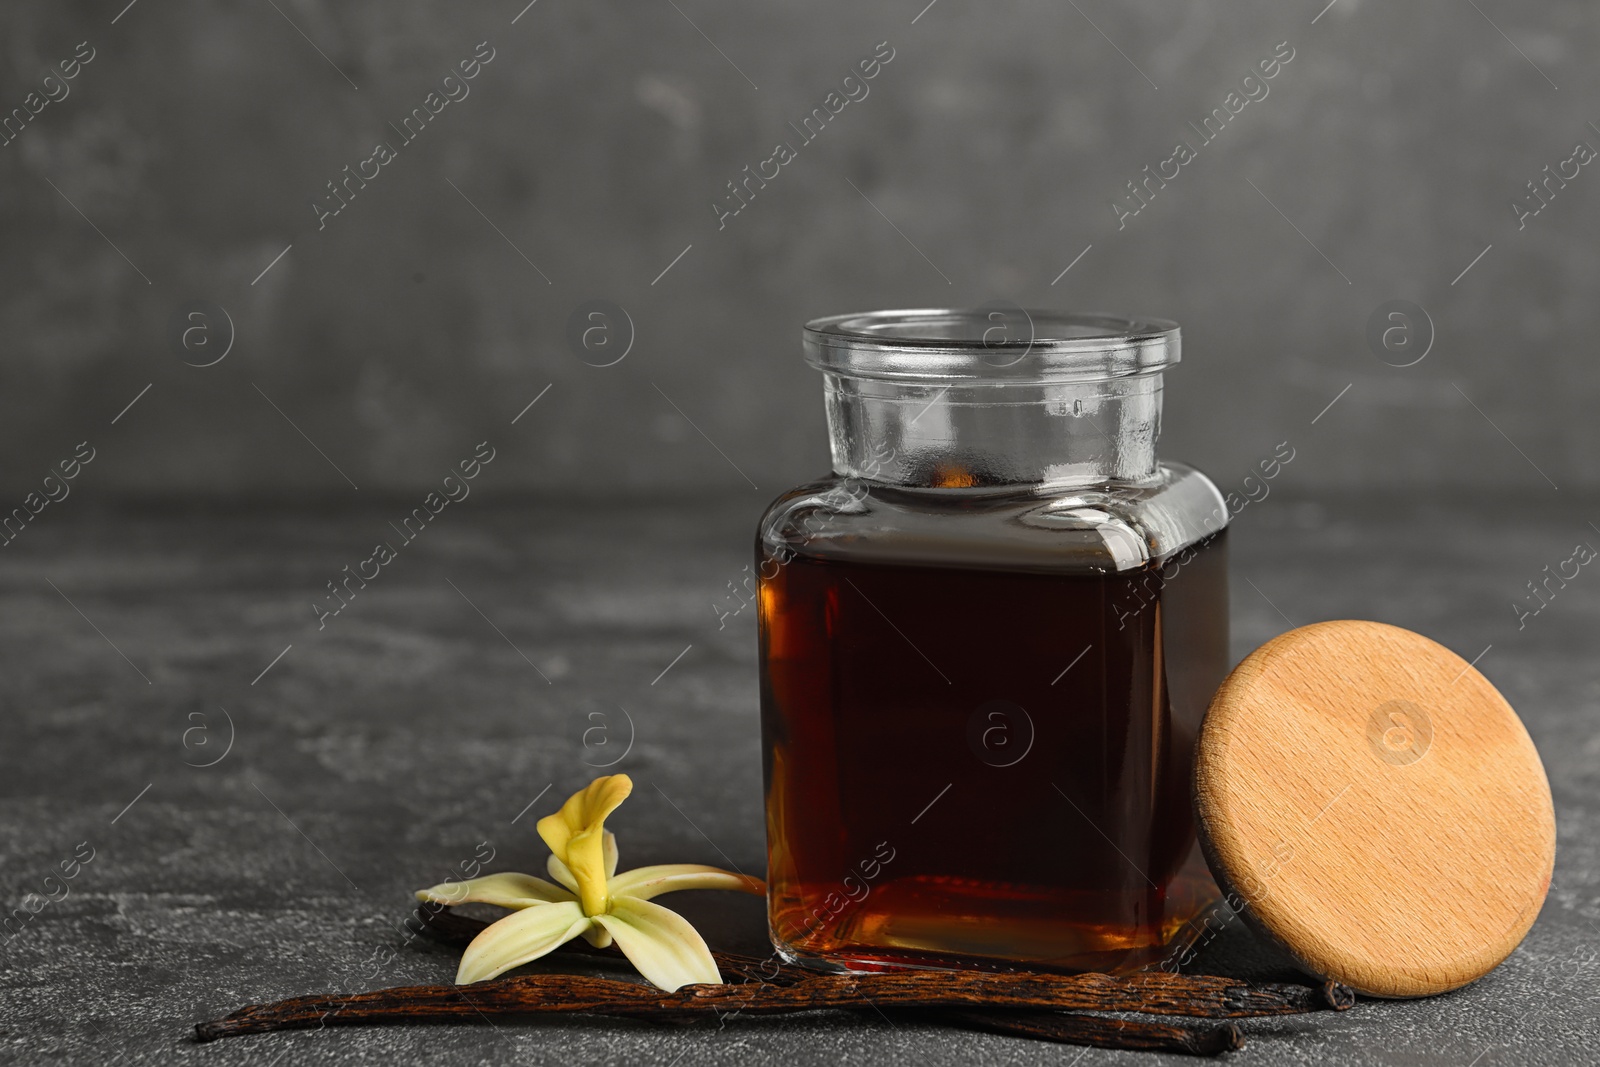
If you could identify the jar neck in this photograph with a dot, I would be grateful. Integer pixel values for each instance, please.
(958, 435)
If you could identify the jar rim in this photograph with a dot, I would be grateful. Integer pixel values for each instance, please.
(994, 343)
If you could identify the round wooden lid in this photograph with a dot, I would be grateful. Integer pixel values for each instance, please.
(1376, 806)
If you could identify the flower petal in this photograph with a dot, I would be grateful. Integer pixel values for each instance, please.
(661, 943)
(576, 834)
(586, 860)
(584, 810)
(520, 937)
(507, 889)
(561, 874)
(610, 852)
(642, 883)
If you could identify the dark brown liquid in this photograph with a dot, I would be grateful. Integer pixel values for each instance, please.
(978, 765)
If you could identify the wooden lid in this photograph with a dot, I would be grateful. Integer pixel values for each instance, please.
(1377, 806)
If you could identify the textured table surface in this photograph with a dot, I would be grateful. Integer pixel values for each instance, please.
(511, 650)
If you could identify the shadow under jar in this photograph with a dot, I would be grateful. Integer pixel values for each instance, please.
(986, 643)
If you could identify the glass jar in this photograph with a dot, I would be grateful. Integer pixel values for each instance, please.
(987, 640)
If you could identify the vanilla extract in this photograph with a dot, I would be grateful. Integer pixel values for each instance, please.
(1058, 714)
(987, 641)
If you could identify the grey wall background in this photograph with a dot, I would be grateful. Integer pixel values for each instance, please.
(414, 326)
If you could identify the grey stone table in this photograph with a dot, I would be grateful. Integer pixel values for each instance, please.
(505, 654)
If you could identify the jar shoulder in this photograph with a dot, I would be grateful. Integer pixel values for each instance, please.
(1096, 528)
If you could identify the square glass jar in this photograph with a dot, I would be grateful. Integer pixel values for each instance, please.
(987, 640)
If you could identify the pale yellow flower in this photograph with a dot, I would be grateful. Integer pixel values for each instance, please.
(590, 899)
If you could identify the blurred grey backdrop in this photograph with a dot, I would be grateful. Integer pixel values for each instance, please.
(183, 159)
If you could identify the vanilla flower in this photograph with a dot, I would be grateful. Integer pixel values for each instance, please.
(590, 899)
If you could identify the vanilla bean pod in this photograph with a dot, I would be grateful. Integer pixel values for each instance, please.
(1099, 1031)
(1024, 1004)
(1153, 992)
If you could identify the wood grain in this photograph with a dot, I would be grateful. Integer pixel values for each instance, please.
(1378, 806)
